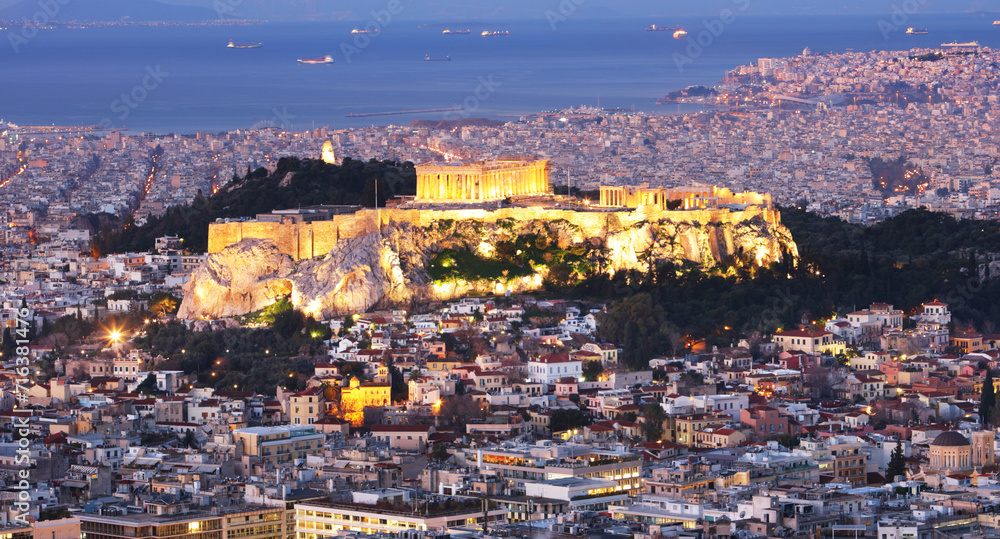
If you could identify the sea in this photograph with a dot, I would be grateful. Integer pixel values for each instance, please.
(184, 79)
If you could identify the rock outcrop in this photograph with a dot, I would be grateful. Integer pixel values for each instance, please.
(244, 278)
(387, 265)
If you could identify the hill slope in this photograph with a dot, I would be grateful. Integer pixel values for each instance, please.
(294, 183)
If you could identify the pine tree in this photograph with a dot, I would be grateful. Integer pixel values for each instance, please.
(630, 344)
(987, 398)
(7, 346)
(897, 464)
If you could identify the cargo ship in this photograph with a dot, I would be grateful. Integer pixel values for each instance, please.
(654, 28)
(680, 34)
(495, 33)
(234, 45)
(955, 44)
(429, 59)
(911, 30)
(996, 23)
(450, 32)
(357, 31)
(328, 59)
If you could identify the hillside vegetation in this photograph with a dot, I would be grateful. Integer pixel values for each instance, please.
(311, 182)
(915, 257)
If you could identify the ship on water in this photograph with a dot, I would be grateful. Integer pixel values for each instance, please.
(678, 33)
(428, 58)
(357, 31)
(911, 30)
(234, 45)
(996, 22)
(328, 59)
(955, 44)
(450, 32)
(495, 33)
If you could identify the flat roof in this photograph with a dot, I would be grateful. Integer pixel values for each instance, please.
(280, 429)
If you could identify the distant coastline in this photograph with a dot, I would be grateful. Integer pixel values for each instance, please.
(20, 23)
(533, 70)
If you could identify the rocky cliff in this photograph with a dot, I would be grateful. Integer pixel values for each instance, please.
(388, 265)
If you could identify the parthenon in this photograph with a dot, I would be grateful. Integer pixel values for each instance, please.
(691, 197)
(482, 181)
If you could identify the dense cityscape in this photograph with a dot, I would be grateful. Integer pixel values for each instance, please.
(450, 368)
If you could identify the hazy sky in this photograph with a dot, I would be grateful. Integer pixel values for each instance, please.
(475, 10)
(471, 9)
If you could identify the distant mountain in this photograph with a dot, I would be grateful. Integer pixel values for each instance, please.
(112, 10)
(444, 11)
(493, 10)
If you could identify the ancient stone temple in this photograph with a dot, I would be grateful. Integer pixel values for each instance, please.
(691, 198)
(482, 181)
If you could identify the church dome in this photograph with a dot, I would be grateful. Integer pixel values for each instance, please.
(950, 439)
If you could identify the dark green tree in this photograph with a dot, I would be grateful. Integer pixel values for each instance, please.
(189, 440)
(592, 369)
(653, 417)
(987, 398)
(630, 345)
(567, 419)
(399, 389)
(7, 346)
(897, 464)
(439, 452)
(288, 322)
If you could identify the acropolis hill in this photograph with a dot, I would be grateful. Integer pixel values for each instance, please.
(332, 261)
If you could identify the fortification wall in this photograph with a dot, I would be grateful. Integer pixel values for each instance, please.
(310, 240)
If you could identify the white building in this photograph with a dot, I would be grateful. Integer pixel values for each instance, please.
(551, 368)
(582, 493)
(936, 312)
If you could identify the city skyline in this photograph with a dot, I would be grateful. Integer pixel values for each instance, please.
(388, 269)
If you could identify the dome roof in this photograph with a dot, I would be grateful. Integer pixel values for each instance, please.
(950, 438)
